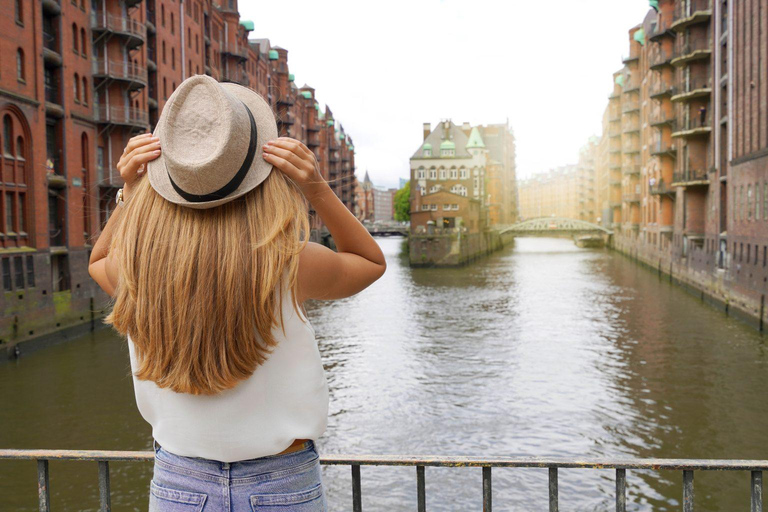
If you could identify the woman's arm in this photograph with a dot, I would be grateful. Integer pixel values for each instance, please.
(323, 273)
(140, 150)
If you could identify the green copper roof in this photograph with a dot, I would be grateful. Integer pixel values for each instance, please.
(272, 54)
(247, 24)
(427, 145)
(308, 95)
(475, 140)
(290, 77)
(447, 144)
(330, 122)
(351, 148)
(620, 80)
(317, 105)
(654, 4)
(639, 36)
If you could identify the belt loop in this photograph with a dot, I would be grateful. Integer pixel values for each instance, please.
(155, 445)
(225, 465)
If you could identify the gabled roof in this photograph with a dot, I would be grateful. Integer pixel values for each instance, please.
(475, 140)
(440, 134)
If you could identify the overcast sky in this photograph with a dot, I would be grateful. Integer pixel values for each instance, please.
(384, 68)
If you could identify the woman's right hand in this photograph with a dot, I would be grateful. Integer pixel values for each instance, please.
(140, 149)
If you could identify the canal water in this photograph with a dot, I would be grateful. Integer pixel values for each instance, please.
(541, 349)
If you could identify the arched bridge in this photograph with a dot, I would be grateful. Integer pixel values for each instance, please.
(555, 226)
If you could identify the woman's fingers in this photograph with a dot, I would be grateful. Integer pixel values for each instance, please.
(131, 162)
(285, 154)
(284, 166)
(293, 145)
(137, 141)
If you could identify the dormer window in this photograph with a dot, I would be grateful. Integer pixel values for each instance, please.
(426, 150)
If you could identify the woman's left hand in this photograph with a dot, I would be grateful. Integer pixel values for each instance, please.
(296, 161)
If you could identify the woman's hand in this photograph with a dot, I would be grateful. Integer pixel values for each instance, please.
(296, 161)
(139, 150)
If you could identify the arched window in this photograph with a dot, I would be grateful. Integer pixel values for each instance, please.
(442, 173)
(19, 11)
(454, 174)
(85, 91)
(20, 73)
(75, 46)
(77, 88)
(189, 37)
(163, 52)
(173, 58)
(172, 29)
(83, 41)
(7, 135)
(162, 14)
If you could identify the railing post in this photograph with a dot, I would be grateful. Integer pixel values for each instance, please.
(43, 489)
(687, 490)
(357, 501)
(621, 490)
(104, 494)
(487, 494)
(757, 491)
(420, 489)
(553, 502)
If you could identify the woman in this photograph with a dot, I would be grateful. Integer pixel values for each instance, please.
(209, 265)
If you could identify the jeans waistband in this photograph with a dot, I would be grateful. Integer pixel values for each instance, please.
(303, 454)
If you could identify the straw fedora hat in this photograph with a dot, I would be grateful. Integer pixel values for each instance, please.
(211, 134)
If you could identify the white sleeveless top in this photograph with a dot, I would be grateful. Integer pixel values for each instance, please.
(286, 398)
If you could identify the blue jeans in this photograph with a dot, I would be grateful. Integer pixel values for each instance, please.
(286, 483)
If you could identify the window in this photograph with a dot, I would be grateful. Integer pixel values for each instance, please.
(20, 65)
(30, 271)
(83, 45)
(433, 207)
(19, 148)
(77, 88)
(85, 91)
(425, 207)
(427, 152)
(173, 59)
(75, 46)
(454, 173)
(173, 31)
(9, 212)
(19, 11)
(22, 217)
(442, 173)
(433, 174)
(463, 173)
(446, 206)
(197, 44)
(7, 135)
(749, 206)
(162, 14)
(165, 88)
(7, 285)
(420, 174)
(757, 201)
(164, 52)
(18, 269)
(189, 37)
(455, 206)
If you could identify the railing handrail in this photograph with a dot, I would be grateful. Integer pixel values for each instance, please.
(432, 460)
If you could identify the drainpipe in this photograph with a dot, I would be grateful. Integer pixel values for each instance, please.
(183, 46)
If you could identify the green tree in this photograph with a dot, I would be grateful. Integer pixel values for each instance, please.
(403, 203)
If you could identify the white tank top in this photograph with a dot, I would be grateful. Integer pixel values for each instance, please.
(285, 398)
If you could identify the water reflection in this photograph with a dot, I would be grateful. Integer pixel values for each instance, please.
(540, 349)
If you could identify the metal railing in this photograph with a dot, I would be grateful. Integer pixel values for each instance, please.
(659, 57)
(661, 146)
(661, 87)
(234, 49)
(687, 466)
(690, 175)
(120, 69)
(118, 24)
(660, 188)
(697, 44)
(120, 115)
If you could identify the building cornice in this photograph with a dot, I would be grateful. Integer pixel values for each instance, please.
(19, 97)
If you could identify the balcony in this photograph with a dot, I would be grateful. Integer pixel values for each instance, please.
(659, 58)
(53, 101)
(689, 13)
(150, 20)
(631, 198)
(660, 29)
(125, 116)
(630, 58)
(631, 146)
(694, 88)
(631, 125)
(632, 86)
(134, 31)
(125, 70)
(661, 88)
(241, 52)
(237, 76)
(630, 170)
(630, 106)
(660, 147)
(694, 127)
(661, 188)
(697, 49)
(659, 117)
(690, 178)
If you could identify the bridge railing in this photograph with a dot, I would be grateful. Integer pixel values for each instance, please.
(421, 462)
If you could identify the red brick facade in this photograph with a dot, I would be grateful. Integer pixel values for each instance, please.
(79, 78)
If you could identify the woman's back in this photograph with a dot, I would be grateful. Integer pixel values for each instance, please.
(286, 398)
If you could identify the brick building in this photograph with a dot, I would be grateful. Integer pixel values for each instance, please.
(685, 141)
(77, 80)
(454, 162)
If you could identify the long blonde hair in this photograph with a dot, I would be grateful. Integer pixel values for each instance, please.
(199, 290)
